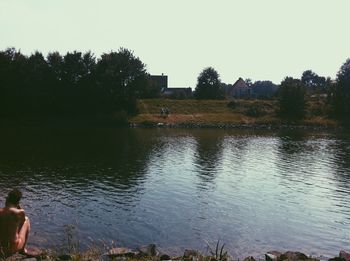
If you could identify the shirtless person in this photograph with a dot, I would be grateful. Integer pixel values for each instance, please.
(14, 225)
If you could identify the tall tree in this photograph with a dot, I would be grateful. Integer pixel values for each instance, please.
(264, 89)
(291, 97)
(122, 77)
(36, 90)
(314, 82)
(209, 85)
(340, 95)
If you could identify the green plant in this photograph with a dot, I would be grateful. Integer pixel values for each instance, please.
(256, 110)
(72, 245)
(218, 255)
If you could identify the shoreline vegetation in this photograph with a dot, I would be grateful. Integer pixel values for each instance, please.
(191, 113)
(151, 252)
(255, 114)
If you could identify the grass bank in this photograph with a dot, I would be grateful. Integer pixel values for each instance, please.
(224, 112)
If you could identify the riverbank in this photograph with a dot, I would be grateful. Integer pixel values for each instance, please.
(241, 114)
(151, 252)
(167, 113)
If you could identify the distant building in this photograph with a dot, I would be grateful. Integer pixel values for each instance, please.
(239, 89)
(177, 93)
(161, 84)
(161, 81)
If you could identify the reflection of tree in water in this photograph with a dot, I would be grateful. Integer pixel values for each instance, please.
(341, 155)
(291, 143)
(298, 152)
(209, 150)
(80, 156)
(84, 177)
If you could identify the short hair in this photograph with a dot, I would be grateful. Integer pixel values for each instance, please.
(14, 197)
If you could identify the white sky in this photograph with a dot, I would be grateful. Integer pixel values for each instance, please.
(259, 39)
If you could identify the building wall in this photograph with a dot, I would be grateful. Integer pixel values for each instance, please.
(160, 80)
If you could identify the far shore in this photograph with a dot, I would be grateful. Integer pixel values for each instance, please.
(243, 114)
(191, 114)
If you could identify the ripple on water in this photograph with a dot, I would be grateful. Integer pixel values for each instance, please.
(184, 188)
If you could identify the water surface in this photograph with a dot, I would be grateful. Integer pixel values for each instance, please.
(255, 191)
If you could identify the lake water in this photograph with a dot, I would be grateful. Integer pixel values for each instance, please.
(253, 191)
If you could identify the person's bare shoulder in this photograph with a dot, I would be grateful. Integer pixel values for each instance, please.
(18, 212)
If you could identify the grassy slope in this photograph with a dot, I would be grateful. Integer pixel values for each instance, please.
(217, 112)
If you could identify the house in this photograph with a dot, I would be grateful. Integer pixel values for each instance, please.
(240, 89)
(161, 81)
(177, 92)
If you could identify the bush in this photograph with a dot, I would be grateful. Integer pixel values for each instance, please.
(340, 94)
(256, 110)
(232, 105)
(291, 97)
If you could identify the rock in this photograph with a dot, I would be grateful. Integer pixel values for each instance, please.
(120, 251)
(344, 255)
(165, 257)
(33, 252)
(190, 253)
(147, 250)
(249, 258)
(270, 257)
(293, 256)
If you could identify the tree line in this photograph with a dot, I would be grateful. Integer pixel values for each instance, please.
(73, 84)
(79, 84)
(291, 93)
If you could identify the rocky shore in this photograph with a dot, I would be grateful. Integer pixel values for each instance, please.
(190, 125)
(151, 252)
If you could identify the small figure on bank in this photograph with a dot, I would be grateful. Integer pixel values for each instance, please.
(14, 225)
(167, 111)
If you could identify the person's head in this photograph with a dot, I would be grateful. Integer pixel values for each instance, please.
(13, 197)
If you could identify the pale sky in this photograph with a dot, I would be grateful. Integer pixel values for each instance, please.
(257, 39)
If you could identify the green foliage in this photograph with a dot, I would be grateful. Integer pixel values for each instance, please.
(264, 89)
(121, 76)
(256, 109)
(73, 85)
(313, 82)
(340, 93)
(291, 97)
(209, 85)
(218, 253)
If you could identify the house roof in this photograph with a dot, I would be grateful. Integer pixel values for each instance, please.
(240, 83)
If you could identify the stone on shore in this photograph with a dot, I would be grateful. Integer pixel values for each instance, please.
(272, 256)
(120, 251)
(33, 252)
(293, 256)
(249, 258)
(164, 257)
(344, 255)
(147, 250)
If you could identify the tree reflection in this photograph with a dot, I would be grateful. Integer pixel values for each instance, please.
(341, 154)
(208, 155)
(298, 153)
(81, 156)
